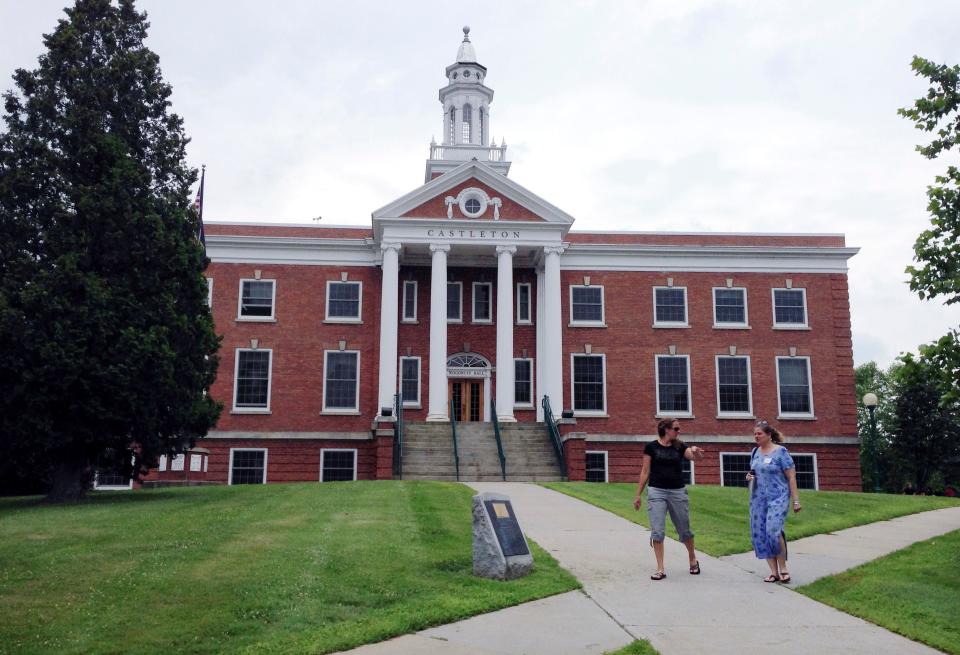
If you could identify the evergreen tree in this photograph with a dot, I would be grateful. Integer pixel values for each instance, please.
(107, 346)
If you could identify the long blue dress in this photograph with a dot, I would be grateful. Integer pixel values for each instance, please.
(769, 501)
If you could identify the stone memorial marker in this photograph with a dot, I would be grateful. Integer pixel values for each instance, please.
(500, 550)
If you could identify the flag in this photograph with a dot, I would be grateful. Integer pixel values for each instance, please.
(198, 206)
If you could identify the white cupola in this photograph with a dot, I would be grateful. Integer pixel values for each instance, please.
(466, 117)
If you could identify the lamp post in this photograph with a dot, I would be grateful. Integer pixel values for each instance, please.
(870, 402)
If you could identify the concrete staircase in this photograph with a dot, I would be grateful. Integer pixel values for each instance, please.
(428, 452)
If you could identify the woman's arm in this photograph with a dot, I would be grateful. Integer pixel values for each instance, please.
(791, 474)
(692, 451)
(644, 476)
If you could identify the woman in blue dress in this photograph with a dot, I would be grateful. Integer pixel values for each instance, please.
(774, 484)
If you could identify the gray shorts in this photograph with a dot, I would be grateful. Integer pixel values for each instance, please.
(661, 501)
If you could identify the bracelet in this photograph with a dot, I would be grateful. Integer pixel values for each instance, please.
(796, 502)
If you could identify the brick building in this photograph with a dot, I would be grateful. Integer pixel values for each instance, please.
(472, 289)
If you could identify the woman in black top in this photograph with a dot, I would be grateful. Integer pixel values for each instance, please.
(663, 468)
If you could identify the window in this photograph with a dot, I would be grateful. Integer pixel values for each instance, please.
(453, 124)
(251, 391)
(343, 301)
(523, 382)
(110, 471)
(482, 302)
(162, 464)
(673, 385)
(410, 300)
(338, 465)
(586, 305)
(209, 291)
(454, 302)
(257, 300)
(729, 307)
(670, 306)
(806, 469)
(467, 117)
(410, 381)
(733, 386)
(734, 468)
(340, 381)
(596, 469)
(248, 466)
(176, 463)
(687, 471)
(793, 386)
(790, 308)
(589, 388)
(523, 303)
(196, 461)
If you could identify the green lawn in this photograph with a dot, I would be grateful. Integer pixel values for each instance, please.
(719, 516)
(304, 568)
(639, 647)
(914, 591)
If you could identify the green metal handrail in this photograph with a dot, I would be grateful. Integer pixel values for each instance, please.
(398, 435)
(496, 433)
(453, 432)
(554, 434)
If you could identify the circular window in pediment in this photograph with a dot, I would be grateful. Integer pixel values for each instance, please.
(473, 202)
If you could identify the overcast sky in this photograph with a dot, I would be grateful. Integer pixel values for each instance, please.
(700, 115)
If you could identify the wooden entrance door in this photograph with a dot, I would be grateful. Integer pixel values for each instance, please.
(467, 397)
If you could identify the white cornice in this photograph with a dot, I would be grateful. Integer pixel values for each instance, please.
(291, 250)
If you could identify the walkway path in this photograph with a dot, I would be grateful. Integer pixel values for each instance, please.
(727, 609)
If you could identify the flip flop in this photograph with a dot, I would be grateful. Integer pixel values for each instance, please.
(695, 568)
(659, 575)
(771, 578)
(784, 578)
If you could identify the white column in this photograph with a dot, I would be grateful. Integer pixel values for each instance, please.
(553, 330)
(540, 375)
(505, 369)
(437, 405)
(388, 324)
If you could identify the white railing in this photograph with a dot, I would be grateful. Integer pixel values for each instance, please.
(466, 152)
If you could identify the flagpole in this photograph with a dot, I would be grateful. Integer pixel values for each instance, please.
(203, 236)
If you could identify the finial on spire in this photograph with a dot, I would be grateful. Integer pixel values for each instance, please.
(466, 34)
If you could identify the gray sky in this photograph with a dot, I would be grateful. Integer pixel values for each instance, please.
(700, 115)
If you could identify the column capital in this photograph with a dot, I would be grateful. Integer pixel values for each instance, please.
(510, 250)
(390, 245)
(554, 250)
(439, 247)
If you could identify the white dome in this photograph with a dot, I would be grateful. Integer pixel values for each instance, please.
(466, 55)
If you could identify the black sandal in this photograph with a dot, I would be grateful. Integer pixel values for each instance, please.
(771, 578)
(659, 575)
(695, 568)
(784, 577)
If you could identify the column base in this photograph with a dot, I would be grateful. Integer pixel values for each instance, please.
(437, 418)
(508, 418)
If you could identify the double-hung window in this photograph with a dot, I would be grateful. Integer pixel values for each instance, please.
(586, 305)
(209, 291)
(410, 381)
(589, 384)
(670, 307)
(806, 470)
(482, 302)
(793, 387)
(524, 315)
(673, 385)
(343, 301)
(338, 464)
(257, 300)
(409, 301)
(790, 308)
(729, 307)
(454, 302)
(251, 389)
(523, 383)
(248, 466)
(596, 466)
(733, 386)
(734, 468)
(341, 381)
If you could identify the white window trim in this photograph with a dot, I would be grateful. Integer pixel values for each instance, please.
(356, 400)
(533, 392)
(162, 464)
(693, 471)
(178, 462)
(588, 412)
(403, 308)
(730, 325)
(716, 371)
(606, 463)
(656, 375)
(816, 469)
(529, 319)
(672, 324)
(209, 291)
(721, 462)
(801, 415)
(790, 326)
(230, 469)
(236, 387)
(603, 310)
(324, 451)
(345, 319)
(408, 403)
(273, 303)
(460, 295)
(473, 303)
(198, 458)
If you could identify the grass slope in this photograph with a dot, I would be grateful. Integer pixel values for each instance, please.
(304, 568)
(719, 516)
(914, 591)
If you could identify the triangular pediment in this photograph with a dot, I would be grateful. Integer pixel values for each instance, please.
(501, 199)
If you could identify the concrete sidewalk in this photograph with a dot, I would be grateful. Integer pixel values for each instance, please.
(727, 609)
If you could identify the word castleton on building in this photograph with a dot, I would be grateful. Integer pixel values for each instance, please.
(471, 307)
